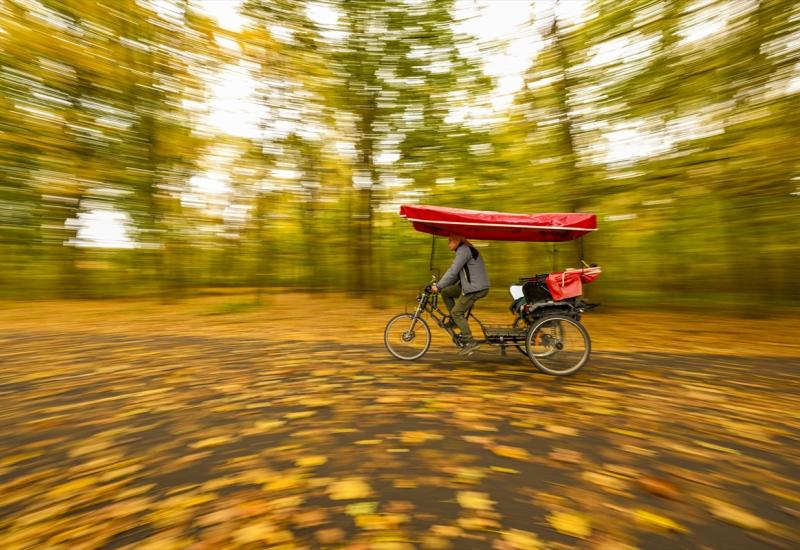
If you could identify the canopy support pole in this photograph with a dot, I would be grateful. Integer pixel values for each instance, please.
(433, 249)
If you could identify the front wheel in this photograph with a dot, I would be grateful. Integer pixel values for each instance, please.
(558, 345)
(407, 338)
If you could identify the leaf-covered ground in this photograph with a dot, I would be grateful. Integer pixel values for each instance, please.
(212, 425)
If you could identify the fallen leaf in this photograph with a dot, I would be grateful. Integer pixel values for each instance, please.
(263, 426)
(311, 461)
(399, 506)
(659, 487)
(361, 508)
(211, 442)
(310, 518)
(474, 500)
(507, 451)
(567, 523)
(450, 531)
(650, 519)
(604, 480)
(431, 542)
(503, 470)
(349, 489)
(254, 532)
(522, 540)
(284, 483)
(565, 455)
(299, 414)
(736, 516)
(330, 536)
(419, 437)
(380, 522)
(561, 430)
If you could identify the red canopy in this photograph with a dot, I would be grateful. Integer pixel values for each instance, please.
(498, 226)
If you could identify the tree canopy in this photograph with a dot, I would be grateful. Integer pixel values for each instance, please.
(156, 147)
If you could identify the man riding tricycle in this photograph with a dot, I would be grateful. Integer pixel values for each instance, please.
(547, 308)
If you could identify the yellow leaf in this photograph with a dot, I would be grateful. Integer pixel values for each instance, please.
(72, 487)
(561, 430)
(419, 437)
(382, 522)
(254, 532)
(404, 484)
(737, 516)
(431, 542)
(447, 531)
(566, 455)
(605, 480)
(574, 525)
(361, 508)
(349, 489)
(266, 425)
(300, 414)
(643, 517)
(317, 402)
(311, 461)
(474, 500)
(90, 448)
(284, 483)
(522, 540)
(511, 452)
(211, 442)
(503, 470)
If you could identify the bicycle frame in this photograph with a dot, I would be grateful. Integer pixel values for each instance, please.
(428, 302)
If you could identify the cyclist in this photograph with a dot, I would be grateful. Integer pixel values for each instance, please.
(464, 283)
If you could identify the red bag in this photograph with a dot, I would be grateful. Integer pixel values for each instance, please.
(569, 284)
(566, 284)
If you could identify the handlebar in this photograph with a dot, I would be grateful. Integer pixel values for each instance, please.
(428, 288)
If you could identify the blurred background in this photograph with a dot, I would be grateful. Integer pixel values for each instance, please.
(164, 147)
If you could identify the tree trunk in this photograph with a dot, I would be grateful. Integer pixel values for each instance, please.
(571, 171)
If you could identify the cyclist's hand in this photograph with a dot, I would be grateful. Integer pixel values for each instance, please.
(434, 289)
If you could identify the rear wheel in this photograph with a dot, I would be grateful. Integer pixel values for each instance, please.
(558, 345)
(407, 338)
(521, 323)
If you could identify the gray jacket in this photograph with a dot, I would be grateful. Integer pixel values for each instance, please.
(471, 271)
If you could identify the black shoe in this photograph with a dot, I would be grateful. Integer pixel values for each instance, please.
(469, 348)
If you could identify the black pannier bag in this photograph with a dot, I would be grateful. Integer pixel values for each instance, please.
(535, 289)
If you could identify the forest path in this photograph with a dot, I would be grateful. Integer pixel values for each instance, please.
(216, 436)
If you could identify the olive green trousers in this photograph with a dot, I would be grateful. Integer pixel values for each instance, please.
(459, 304)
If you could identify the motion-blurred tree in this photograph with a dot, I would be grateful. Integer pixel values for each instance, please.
(395, 71)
